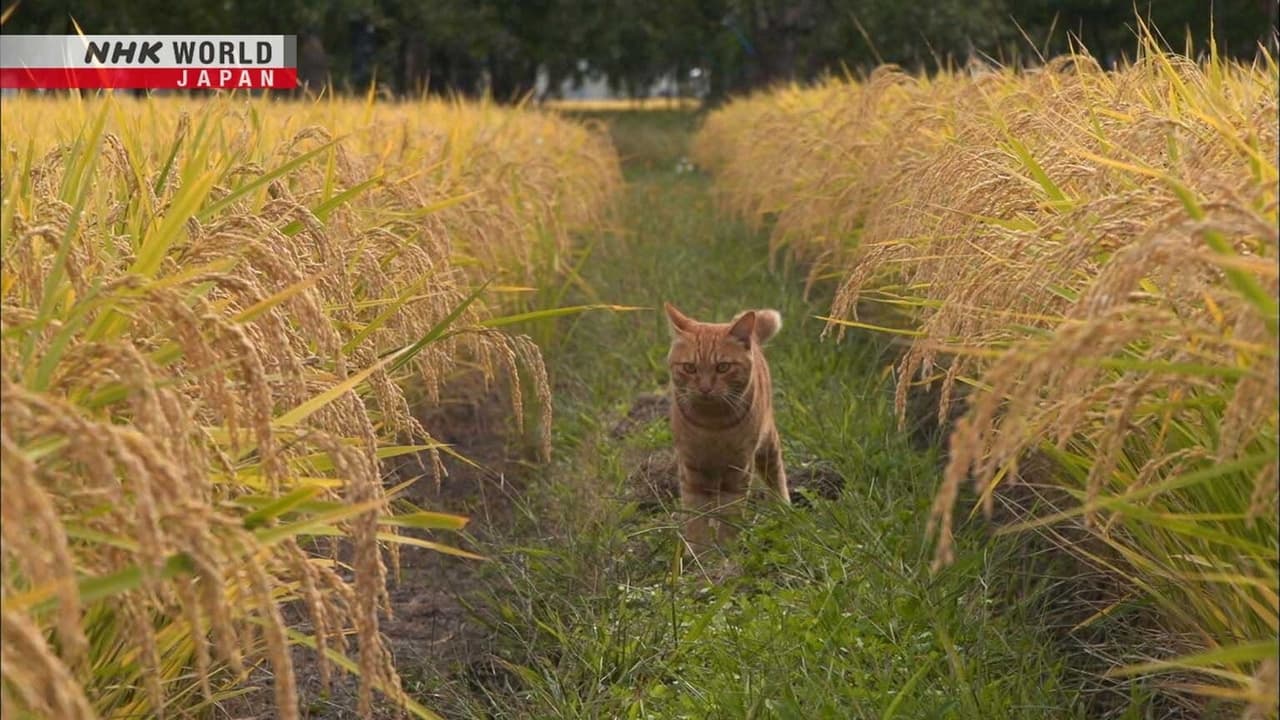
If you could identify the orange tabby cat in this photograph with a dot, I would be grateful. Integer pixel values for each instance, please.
(722, 418)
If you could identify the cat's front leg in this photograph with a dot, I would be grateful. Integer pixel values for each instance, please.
(768, 463)
(731, 504)
(698, 496)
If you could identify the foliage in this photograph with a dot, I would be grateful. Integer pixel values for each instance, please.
(466, 45)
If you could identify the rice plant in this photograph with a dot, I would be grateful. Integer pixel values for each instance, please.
(211, 312)
(1087, 259)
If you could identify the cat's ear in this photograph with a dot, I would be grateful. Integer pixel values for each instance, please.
(680, 323)
(743, 328)
(768, 323)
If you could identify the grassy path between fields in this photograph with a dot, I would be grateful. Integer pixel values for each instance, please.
(825, 610)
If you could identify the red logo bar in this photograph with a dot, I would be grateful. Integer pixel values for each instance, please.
(193, 78)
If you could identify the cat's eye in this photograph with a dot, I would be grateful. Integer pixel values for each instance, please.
(689, 367)
(723, 367)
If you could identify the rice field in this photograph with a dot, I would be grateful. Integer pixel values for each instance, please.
(1080, 267)
(221, 316)
(213, 313)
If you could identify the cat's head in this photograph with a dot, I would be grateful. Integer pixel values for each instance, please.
(712, 362)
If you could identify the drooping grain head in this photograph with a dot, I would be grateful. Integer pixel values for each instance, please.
(712, 363)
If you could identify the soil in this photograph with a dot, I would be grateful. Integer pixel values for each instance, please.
(430, 626)
(645, 408)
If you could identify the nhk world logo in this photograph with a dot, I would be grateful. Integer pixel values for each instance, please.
(176, 62)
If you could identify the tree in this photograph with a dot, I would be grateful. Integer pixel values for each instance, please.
(449, 46)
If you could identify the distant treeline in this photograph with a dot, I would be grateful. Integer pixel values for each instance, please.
(473, 46)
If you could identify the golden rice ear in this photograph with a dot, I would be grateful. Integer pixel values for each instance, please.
(743, 328)
(679, 322)
(768, 323)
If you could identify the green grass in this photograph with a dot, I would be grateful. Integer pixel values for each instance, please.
(828, 611)
(649, 141)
